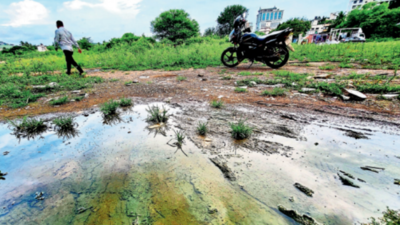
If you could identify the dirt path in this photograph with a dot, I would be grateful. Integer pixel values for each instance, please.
(206, 85)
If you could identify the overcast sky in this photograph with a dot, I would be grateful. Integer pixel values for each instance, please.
(34, 20)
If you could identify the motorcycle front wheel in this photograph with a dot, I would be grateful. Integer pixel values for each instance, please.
(282, 56)
(230, 57)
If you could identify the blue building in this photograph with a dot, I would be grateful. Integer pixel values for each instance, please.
(268, 19)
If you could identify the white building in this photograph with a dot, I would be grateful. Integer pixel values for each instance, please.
(268, 19)
(353, 4)
(317, 28)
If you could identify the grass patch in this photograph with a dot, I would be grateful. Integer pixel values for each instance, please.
(240, 130)
(109, 108)
(157, 114)
(179, 137)
(327, 67)
(226, 78)
(240, 90)
(202, 128)
(181, 78)
(125, 102)
(274, 92)
(27, 125)
(128, 83)
(244, 73)
(345, 65)
(64, 123)
(60, 101)
(79, 98)
(217, 104)
(114, 80)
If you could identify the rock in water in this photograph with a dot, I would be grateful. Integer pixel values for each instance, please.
(356, 135)
(347, 182)
(304, 189)
(347, 174)
(356, 95)
(224, 169)
(302, 219)
(397, 181)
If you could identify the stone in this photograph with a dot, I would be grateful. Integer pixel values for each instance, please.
(207, 140)
(87, 95)
(39, 196)
(397, 181)
(345, 98)
(143, 77)
(304, 189)
(390, 96)
(253, 83)
(76, 92)
(201, 73)
(156, 126)
(168, 100)
(221, 96)
(224, 169)
(302, 219)
(356, 135)
(212, 211)
(245, 87)
(6, 153)
(205, 90)
(135, 82)
(204, 79)
(356, 95)
(307, 90)
(53, 84)
(291, 199)
(347, 182)
(322, 76)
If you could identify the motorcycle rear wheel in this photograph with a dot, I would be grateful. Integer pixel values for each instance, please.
(283, 56)
(230, 57)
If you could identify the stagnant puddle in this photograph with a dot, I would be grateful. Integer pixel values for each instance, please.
(122, 172)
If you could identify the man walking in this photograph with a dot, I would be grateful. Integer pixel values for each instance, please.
(65, 40)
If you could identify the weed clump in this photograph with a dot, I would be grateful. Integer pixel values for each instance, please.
(179, 137)
(244, 73)
(64, 123)
(59, 101)
(181, 78)
(109, 108)
(125, 102)
(226, 78)
(274, 92)
(240, 90)
(202, 128)
(157, 115)
(217, 104)
(27, 125)
(240, 130)
(327, 67)
(79, 98)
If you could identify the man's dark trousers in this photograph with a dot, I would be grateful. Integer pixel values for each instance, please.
(70, 61)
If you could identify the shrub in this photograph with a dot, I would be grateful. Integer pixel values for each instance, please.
(109, 108)
(157, 115)
(64, 123)
(240, 90)
(179, 137)
(27, 125)
(327, 67)
(59, 101)
(274, 92)
(202, 128)
(125, 102)
(217, 104)
(181, 78)
(240, 130)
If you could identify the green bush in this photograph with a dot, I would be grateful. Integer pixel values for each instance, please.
(28, 125)
(64, 123)
(217, 104)
(202, 128)
(157, 115)
(240, 130)
(125, 102)
(109, 108)
(181, 78)
(59, 101)
(240, 90)
(274, 92)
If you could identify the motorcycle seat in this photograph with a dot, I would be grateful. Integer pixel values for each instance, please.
(265, 37)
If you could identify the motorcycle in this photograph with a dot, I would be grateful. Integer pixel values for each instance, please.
(272, 49)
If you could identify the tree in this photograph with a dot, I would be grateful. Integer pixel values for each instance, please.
(299, 26)
(175, 25)
(341, 17)
(377, 21)
(210, 31)
(85, 43)
(227, 17)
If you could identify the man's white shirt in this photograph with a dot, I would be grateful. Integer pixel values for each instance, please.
(64, 39)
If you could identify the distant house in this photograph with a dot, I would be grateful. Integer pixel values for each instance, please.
(355, 4)
(41, 48)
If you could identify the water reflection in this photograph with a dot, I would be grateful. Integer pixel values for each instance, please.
(112, 120)
(67, 133)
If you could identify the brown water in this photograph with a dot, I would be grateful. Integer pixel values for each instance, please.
(125, 172)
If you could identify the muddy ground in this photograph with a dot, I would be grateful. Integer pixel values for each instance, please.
(206, 85)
